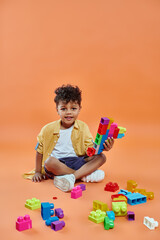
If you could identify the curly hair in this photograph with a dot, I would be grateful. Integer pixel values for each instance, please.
(67, 93)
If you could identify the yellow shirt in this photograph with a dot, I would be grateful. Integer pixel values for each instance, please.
(48, 137)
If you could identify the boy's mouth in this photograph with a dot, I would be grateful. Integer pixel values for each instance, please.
(68, 118)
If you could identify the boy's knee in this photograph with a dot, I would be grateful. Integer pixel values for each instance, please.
(49, 162)
(103, 158)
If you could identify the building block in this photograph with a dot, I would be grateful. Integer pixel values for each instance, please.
(111, 215)
(124, 192)
(119, 198)
(119, 208)
(108, 223)
(76, 192)
(141, 191)
(111, 187)
(91, 151)
(102, 129)
(130, 216)
(150, 195)
(136, 198)
(46, 211)
(23, 223)
(120, 135)
(111, 130)
(98, 139)
(82, 186)
(116, 132)
(33, 203)
(150, 223)
(100, 205)
(57, 225)
(122, 130)
(97, 216)
(111, 120)
(105, 120)
(131, 185)
(50, 220)
(59, 212)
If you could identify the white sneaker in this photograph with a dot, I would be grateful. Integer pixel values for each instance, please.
(64, 182)
(96, 176)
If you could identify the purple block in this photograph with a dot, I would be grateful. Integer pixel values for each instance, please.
(82, 186)
(104, 120)
(59, 212)
(130, 216)
(57, 225)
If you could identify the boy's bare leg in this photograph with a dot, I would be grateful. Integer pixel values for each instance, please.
(56, 167)
(93, 163)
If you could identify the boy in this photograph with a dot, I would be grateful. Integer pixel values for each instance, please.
(62, 145)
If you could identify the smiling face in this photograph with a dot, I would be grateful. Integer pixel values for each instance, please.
(68, 113)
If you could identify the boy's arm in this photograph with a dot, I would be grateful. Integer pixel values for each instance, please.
(38, 175)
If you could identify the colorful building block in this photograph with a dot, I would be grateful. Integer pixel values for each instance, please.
(124, 192)
(108, 223)
(23, 223)
(100, 205)
(150, 223)
(111, 187)
(131, 185)
(59, 212)
(57, 225)
(111, 215)
(50, 220)
(33, 203)
(149, 195)
(46, 211)
(76, 192)
(82, 186)
(136, 198)
(107, 128)
(119, 198)
(119, 208)
(130, 216)
(97, 216)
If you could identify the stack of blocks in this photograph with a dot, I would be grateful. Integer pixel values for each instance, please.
(47, 212)
(107, 129)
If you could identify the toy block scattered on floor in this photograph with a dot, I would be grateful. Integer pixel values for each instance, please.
(50, 220)
(76, 192)
(33, 203)
(150, 195)
(131, 185)
(57, 225)
(136, 198)
(23, 223)
(124, 192)
(150, 223)
(97, 216)
(111, 187)
(59, 212)
(108, 223)
(107, 129)
(119, 208)
(119, 198)
(82, 186)
(46, 211)
(100, 205)
(111, 215)
(130, 216)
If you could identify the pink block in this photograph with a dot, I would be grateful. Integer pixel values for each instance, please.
(111, 130)
(76, 192)
(23, 223)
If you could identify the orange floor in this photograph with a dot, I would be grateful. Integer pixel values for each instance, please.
(111, 50)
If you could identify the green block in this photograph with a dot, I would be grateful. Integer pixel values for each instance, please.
(97, 216)
(108, 223)
(33, 203)
(119, 208)
(98, 139)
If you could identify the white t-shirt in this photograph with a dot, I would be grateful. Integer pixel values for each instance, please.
(64, 146)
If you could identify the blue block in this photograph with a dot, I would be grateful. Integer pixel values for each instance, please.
(124, 192)
(46, 211)
(111, 215)
(120, 135)
(50, 220)
(104, 137)
(136, 198)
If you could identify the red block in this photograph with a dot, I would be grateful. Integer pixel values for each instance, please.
(111, 187)
(116, 131)
(91, 151)
(102, 129)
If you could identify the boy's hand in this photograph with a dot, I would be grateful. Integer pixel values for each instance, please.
(108, 144)
(38, 177)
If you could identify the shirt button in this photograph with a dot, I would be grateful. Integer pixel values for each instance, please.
(55, 141)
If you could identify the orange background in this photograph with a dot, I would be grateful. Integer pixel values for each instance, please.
(111, 50)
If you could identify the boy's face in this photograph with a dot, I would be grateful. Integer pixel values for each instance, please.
(68, 112)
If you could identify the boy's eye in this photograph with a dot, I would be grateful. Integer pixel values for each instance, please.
(74, 108)
(63, 109)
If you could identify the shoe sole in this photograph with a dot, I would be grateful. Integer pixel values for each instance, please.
(63, 184)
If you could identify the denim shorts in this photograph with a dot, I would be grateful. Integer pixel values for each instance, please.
(71, 162)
